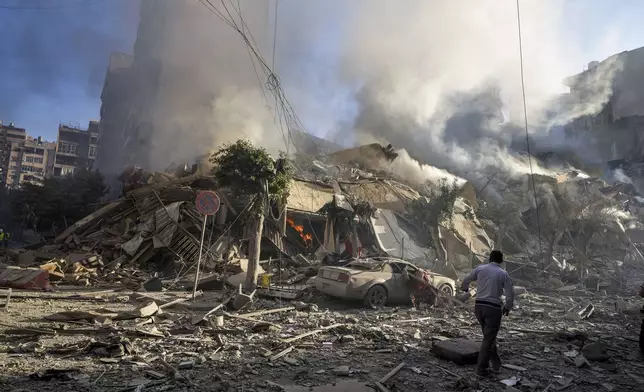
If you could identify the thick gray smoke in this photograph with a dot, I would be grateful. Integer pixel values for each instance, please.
(440, 79)
(208, 92)
(213, 90)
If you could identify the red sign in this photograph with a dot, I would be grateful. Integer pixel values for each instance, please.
(207, 202)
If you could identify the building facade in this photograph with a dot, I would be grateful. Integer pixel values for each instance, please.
(23, 158)
(37, 160)
(152, 99)
(606, 101)
(76, 148)
(12, 142)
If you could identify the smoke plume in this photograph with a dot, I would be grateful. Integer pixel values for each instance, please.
(439, 79)
(442, 79)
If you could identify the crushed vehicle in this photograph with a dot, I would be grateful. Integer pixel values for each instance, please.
(378, 281)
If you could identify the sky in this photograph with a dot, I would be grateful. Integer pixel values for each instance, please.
(55, 52)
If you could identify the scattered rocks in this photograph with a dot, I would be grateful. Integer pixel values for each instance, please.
(342, 371)
(347, 339)
(185, 365)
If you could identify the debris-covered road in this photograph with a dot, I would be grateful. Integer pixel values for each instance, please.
(118, 341)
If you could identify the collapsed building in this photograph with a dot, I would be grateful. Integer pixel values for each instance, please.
(344, 205)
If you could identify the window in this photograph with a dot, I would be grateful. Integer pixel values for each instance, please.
(92, 151)
(31, 159)
(30, 169)
(67, 148)
(67, 170)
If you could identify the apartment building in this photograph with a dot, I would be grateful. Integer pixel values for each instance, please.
(76, 148)
(37, 160)
(145, 93)
(12, 142)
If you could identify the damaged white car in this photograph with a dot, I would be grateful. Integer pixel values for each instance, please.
(376, 281)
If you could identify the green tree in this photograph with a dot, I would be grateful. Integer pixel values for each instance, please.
(59, 202)
(434, 209)
(249, 170)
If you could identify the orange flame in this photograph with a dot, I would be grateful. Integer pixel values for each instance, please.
(307, 238)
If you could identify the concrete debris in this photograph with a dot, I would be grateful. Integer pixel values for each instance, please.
(581, 361)
(514, 367)
(510, 381)
(459, 351)
(22, 278)
(319, 347)
(126, 273)
(595, 351)
(342, 371)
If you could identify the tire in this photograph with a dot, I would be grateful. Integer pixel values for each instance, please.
(376, 297)
(446, 289)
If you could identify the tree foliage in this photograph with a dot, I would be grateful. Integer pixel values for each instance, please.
(437, 207)
(59, 202)
(249, 170)
(245, 169)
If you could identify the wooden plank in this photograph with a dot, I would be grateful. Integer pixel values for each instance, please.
(381, 387)
(392, 373)
(311, 333)
(6, 305)
(89, 219)
(180, 300)
(250, 319)
(281, 353)
(268, 311)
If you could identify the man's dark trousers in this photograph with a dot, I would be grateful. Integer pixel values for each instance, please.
(642, 338)
(489, 316)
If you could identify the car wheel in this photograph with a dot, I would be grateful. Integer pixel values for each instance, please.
(376, 297)
(447, 289)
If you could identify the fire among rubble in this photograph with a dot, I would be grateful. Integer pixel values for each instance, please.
(306, 237)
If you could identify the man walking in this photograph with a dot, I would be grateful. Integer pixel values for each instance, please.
(642, 328)
(492, 282)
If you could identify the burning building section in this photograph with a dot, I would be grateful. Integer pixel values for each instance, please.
(331, 267)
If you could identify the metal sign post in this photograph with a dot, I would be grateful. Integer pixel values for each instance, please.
(207, 204)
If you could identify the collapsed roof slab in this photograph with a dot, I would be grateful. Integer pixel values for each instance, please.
(308, 197)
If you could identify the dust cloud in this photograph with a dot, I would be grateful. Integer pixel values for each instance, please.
(442, 79)
(437, 79)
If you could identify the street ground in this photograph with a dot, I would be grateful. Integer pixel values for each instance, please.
(351, 349)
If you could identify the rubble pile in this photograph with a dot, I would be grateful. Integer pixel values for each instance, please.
(155, 228)
(123, 316)
(352, 195)
(167, 341)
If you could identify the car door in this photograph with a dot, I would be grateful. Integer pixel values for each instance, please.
(400, 284)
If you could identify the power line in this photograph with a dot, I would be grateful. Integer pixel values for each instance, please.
(527, 137)
(51, 7)
(277, 4)
(284, 110)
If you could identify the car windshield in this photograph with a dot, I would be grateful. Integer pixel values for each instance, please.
(366, 265)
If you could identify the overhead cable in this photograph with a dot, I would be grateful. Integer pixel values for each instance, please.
(527, 136)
